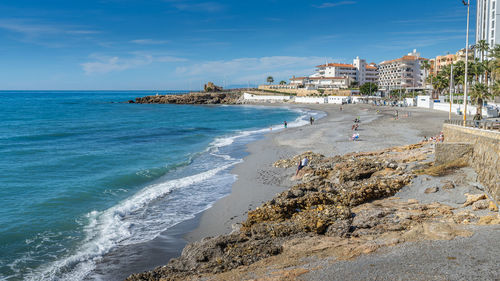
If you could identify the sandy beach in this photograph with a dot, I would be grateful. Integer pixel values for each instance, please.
(258, 181)
(311, 257)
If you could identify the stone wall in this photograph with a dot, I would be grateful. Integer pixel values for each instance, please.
(451, 151)
(485, 156)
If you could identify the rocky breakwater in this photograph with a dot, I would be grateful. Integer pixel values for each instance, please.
(193, 98)
(327, 202)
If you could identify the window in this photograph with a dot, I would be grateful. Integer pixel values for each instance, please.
(493, 5)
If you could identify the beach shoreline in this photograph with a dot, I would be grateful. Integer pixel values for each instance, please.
(258, 181)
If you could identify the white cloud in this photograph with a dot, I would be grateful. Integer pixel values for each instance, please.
(334, 4)
(45, 34)
(149, 42)
(242, 70)
(106, 64)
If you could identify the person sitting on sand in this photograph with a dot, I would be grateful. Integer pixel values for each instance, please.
(302, 164)
(425, 139)
(355, 137)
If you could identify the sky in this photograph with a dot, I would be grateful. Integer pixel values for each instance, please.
(182, 44)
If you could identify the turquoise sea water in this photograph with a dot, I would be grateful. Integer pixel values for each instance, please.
(82, 174)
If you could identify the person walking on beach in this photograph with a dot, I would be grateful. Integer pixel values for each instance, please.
(476, 119)
(396, 114)
(311, 120)
(285, 124)
(302, 164)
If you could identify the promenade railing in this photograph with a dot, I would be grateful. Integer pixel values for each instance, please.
(492, 125)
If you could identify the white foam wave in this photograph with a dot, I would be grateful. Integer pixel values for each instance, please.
(110, 228)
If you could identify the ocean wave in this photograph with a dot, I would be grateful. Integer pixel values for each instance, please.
(125, 223)
(110, 228)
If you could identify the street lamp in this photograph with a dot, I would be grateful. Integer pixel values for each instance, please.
(466, 60)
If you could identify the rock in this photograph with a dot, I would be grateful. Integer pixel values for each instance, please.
(431, 189)
(471, 198)
(211, 87)
(449, 185)
(489, 220)
(193, 98)
(480, 205)
(492, 206)
(412, 201)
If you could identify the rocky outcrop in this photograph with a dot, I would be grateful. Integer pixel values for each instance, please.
(321, 204)
(340, 207)
(211, 87)
(194, 98)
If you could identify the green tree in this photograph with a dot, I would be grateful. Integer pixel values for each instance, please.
(282, 82)
(270, 80)
(480, 93)
(368, 88)
(440, 82)
(495, 89)
(483, 47)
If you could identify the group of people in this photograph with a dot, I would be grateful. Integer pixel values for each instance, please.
(355, 126)
(438, 138)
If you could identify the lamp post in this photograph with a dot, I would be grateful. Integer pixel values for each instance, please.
(466, 60)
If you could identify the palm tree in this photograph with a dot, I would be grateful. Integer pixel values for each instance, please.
(270, 80)
(476, 68)
(440, 83)
(479, 94)
(496, 88)
(488, 67)
(482, 46)
(426, 66)
(495, 54)
(282, 82)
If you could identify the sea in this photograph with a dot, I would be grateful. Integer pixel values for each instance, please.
(85, 174)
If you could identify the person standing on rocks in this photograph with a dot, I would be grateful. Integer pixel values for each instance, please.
(302, 164)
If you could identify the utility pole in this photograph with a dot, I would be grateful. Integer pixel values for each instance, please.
(466, 61)
(451, 87)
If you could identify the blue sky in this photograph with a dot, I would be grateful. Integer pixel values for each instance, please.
(180, 44)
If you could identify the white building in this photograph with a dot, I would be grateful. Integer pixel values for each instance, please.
(339, 75)
(487, 24)
(402, 73)
(323, 82)
(358, 71)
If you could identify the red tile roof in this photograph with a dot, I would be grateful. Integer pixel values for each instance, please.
(337, 65)
(404, 58)
(318, 78)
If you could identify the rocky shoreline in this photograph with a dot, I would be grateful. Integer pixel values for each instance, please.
(340, 207)
(226, 97)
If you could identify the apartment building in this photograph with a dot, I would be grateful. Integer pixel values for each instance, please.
(487, 24)
(401, 73)
(440, 62)
(339, 75)
(322, 82)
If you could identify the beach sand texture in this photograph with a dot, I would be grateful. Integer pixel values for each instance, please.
(376, 256)
(258, 181)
